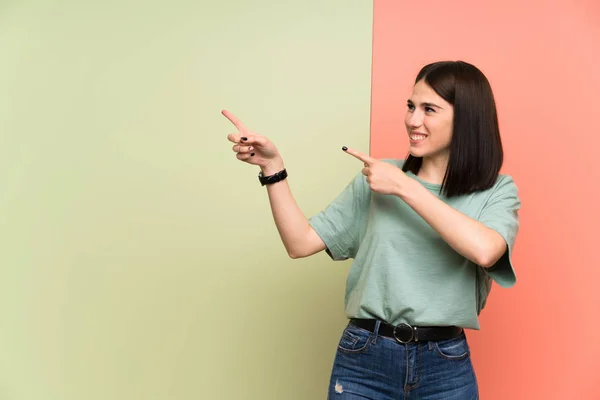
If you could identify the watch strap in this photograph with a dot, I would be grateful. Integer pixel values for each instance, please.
(276, 177)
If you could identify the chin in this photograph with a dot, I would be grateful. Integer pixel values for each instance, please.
(415, 152)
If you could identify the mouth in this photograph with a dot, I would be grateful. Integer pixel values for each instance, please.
(417, 137)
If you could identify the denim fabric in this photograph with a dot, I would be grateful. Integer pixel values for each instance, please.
(369, 366)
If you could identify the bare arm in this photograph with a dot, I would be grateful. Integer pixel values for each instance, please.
(470, 238)
(298, 237)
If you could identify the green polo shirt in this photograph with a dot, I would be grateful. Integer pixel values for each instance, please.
(402, 270)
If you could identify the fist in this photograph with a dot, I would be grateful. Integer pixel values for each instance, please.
(382, 177)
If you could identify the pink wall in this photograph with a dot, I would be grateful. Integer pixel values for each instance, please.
(540, 339)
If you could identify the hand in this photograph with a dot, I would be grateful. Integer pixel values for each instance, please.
(253, 148)
(382, 177)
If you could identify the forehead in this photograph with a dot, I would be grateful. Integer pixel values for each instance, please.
(423, 93)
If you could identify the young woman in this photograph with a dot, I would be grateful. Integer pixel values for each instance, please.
(427, 235)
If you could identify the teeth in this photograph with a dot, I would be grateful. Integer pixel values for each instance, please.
(417, 137)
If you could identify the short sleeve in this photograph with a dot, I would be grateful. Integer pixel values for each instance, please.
(340, 223)
(501, 213)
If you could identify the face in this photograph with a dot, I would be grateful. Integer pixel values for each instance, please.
(428, 122)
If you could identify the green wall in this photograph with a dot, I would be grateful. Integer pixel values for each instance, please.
(139, 258)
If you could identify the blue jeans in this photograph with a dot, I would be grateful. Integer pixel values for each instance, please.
(369, 366)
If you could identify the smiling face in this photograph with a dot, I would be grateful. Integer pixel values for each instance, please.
(429, 122)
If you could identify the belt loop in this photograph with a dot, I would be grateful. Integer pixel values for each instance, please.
(376, 331)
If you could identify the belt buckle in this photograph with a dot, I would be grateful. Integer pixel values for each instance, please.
(404, 326)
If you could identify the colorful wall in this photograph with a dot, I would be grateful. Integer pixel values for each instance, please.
(539, 339)
(139, 258)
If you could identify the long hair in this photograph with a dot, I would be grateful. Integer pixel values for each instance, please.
(476, 153)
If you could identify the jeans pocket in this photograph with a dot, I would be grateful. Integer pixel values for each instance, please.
(452, 349)
(354, 340)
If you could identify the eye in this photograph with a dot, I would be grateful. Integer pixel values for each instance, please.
(429, 109)
(410, 106)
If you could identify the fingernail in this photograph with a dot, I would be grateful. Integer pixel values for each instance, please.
(251, 154)
(251, 148)
(244, 138)
(344, 148)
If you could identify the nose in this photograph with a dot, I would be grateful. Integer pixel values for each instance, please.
(414, 119)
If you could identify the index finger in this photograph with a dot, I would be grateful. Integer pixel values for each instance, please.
(361, 156)
(236, 121)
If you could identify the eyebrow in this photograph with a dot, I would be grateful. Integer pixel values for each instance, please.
(426, 104)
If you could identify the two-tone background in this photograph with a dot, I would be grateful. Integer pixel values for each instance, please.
(139, 258)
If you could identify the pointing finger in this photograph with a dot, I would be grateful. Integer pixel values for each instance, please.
(235, 121)
(358, 155)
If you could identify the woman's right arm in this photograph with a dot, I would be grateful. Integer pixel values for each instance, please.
(298, 237)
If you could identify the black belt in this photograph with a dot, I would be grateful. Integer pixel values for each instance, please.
(405, 333)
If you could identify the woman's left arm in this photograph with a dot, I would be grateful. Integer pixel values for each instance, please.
(469, 237)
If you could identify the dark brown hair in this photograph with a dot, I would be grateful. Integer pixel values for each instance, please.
(476, 153)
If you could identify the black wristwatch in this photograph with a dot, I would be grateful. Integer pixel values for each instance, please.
(276, 177)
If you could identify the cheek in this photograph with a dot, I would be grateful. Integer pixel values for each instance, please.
(441, 131)
(448, 131)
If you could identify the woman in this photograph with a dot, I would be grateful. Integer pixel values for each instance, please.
(427, 235)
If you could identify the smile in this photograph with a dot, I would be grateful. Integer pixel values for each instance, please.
(416, 137)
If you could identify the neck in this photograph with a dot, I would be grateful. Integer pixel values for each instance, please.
(433, 170)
